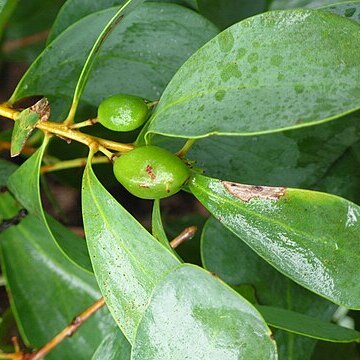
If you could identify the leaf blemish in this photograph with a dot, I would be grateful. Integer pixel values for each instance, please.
(149, 170)
(248, 192)
(42, 107)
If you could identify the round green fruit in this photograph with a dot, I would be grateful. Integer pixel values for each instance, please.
(150, 172)
(123, 112)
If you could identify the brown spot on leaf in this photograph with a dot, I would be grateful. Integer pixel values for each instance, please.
(42, 107)
(248, 192)
(149, 170)
(214, 275)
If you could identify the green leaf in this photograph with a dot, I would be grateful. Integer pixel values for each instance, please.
(128, 262)
(227, 12)
(126, 8)
(192, 3)
(74, 10)
(27, 28)
(296, 158)
(113, 347)
(140, 56)
(6, 169)
(57, 68)
(192, 315)
(28, 194)
(239, 266)
(7, 331)
(306, 325)
(348, 9)
(291, 4)
(342, 178)
(11, 211)
(6, 9)
(48, 291)
(26, 122)
(336, 351)
(248, 82)
(157, 228)
(311, 237)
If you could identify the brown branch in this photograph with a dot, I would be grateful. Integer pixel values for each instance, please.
(67, 133)
(185, 235)
(68, 331)
(68, 164)
(15, 44)
(55, 341)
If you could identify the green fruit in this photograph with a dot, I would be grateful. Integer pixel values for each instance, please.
(150, 172)
(123, 112)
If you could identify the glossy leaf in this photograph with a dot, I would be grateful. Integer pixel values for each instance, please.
(306, 325)
(140, 56)
(47, 290)
(74, 45)
(296, 158)
(192, 3)
(239, 266)
(6, 9)
(28, 192)
(8, 329)
(6, 169)
(29, 20)
(342, 178)
(192, 315)
(227, 12)
(74, 10)
(157, 227)
(13, 214)
(124, 10)
(113, 347)
(24, 184)
(128, 262)
(248, 82)
(291, 4)
(26, 122)
(310, 237)
(348, 9)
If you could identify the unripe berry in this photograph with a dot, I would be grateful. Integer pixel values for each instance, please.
(150, 172)
(123, 112)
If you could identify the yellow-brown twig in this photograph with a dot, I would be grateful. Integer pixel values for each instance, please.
(67, 332)
(185, 235)
(67, 133)
(12, 45)
(68, 164)
(85, 123)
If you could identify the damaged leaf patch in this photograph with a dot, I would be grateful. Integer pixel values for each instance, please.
(248, 192)
(26, 122)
